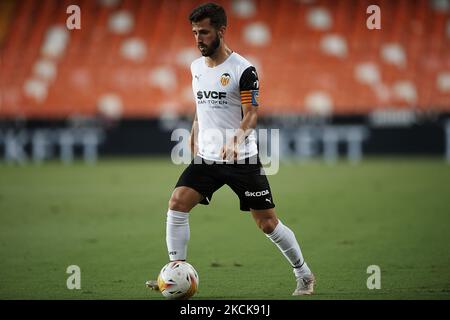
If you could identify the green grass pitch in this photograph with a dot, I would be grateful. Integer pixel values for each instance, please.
(109, 219)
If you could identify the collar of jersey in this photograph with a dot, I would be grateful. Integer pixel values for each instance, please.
(219, 65)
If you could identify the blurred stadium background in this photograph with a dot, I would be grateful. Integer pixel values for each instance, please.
(112, 93)
(121, 84)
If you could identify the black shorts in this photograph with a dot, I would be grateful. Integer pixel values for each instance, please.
(247, 180)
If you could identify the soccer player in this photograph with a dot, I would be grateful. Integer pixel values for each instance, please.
(226, 89)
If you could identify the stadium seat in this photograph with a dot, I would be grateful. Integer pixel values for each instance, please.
(312, 56)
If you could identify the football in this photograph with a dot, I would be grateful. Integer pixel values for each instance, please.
(178, 280)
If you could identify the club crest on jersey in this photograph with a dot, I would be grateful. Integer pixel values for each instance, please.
(225, 79)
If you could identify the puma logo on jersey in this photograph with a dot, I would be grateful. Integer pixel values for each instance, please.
(211, 94)
(256, 82)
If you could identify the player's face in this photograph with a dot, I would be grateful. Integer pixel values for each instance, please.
(206, 36)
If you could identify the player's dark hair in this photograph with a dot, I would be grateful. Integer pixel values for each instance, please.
(214, 12)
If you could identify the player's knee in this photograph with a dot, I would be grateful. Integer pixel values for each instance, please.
(177, 204)
(267, 225)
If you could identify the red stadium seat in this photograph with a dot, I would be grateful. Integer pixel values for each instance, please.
(294, 64)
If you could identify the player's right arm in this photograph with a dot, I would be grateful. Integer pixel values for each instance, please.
(193, 139)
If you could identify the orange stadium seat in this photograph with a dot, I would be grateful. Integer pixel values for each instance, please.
(312, 56)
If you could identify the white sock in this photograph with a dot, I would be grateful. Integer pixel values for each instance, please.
(177, 234)
(300, 271)
(285, 240)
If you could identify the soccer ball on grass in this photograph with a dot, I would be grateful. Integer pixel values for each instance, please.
(178, 280)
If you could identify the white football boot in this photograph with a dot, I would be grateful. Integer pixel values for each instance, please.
(305, 285)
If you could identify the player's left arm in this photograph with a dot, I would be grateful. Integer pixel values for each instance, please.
(248, 123)
(249, 88)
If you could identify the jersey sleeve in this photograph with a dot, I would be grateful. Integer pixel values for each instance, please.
(249, 87)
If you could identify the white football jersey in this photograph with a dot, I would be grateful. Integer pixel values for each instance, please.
(219, 93)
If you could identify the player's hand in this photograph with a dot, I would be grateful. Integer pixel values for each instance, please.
(229, 152)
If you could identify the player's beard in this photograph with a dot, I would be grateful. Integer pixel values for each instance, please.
(211, 49)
